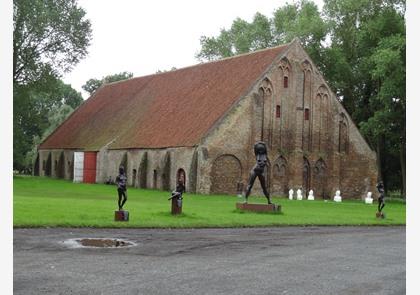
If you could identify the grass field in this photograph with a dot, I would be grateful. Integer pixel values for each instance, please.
(45, 202)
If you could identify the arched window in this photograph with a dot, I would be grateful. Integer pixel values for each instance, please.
(278, 111)
(123, 162)
(343, 134)
(320, 179)
(280, 180)
(180, 176)
(225, 174)
(263, 114)
(142, 172)
(166, 173)
(154, 178)
(134, 177)
(70, 167)
(320, 119)
(285, 67)
(48, 165)
(306, 177)
(60, 166)
(285, 82)
(306, 114)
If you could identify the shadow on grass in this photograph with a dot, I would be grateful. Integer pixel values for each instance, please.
(238, 211)
(182, 215)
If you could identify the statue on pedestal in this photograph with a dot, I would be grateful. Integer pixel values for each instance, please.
(381, 199)
(369, 199)
(121, 181)
(176, 195)
(311, 195)
(299, 195)
(260, 150)
(337, 197)
(291, 194)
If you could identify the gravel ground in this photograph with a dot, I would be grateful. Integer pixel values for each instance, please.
(282, 260)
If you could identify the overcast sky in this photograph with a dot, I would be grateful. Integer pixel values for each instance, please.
(143, 37)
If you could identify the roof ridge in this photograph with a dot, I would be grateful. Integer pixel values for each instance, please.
(201, 64)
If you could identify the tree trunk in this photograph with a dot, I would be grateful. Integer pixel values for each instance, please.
(402, 163)
(379, 145)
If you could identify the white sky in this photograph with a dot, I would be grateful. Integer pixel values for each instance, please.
(143, 37)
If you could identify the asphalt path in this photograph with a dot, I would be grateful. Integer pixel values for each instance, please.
(282, 260)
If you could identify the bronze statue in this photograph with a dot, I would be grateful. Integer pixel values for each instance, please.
(381, 199)
(176, 195)
(121, 181)
(260, 150)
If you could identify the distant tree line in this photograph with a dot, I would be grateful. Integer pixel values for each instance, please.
(93, 84)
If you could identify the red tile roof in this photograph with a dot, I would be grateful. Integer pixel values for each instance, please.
(170, 109)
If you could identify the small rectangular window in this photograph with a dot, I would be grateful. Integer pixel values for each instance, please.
(278, 111)
(306, 114)
(285, 82)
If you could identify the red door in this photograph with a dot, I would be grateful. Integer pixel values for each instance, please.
(89, 167)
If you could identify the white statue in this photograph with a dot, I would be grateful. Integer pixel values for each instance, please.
(291, 194)
(369, 199)
(311, 196)
(337, 197)
(299, 195)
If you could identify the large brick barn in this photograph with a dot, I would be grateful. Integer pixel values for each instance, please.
(203, 121)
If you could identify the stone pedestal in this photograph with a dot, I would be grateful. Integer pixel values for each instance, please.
(380, 215)
(258, 207)
(368, 200)
(176, 207)
(121, 215)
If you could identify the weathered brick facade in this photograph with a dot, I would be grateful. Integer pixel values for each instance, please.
(311, 139)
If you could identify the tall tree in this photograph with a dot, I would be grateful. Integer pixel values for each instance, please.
(386, 127)
(33, 108)
(55, 117)
(241, 38)
(301, 19)
(93, 84)
(366, 66)
(49, 38)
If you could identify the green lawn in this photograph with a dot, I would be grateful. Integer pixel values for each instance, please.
(40, 202)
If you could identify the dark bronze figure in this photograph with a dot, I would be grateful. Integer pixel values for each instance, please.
(260, 150)
(176, 196)
(381, 199)
(177, 193)
(121, 181)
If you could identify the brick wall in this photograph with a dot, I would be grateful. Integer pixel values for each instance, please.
(297, 138)
(313, 137)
